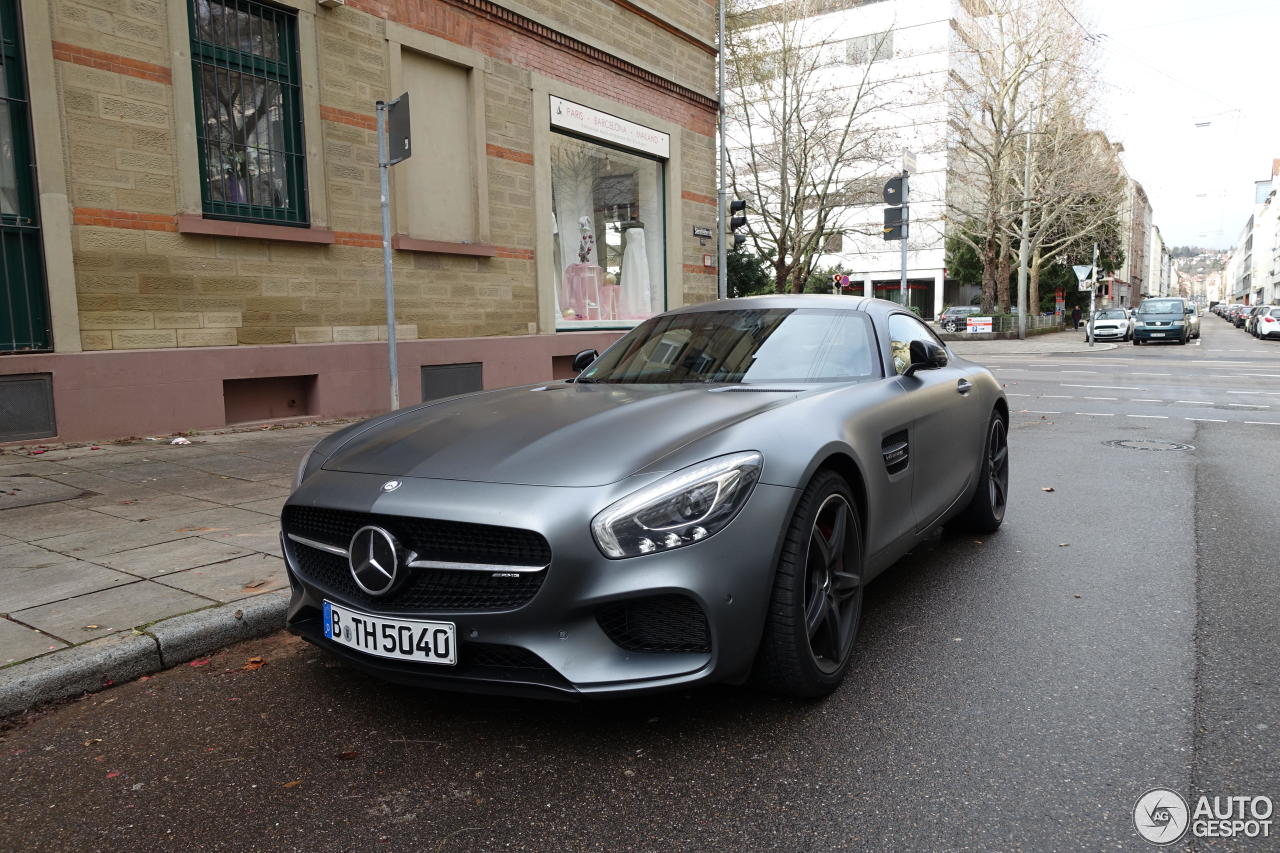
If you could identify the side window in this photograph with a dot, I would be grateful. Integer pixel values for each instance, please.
(903, 329)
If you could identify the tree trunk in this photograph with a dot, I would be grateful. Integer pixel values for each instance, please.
(781, 272)
(1033, 283)
(990, 249)
(1003, 268)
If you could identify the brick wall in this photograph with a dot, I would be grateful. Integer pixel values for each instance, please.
(142, 284)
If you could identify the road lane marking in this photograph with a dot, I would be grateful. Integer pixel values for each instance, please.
(1139, 400)
(1040, 412)
(1103, 387)
(1263, 393)
(1098, 414)
(1078, 371)
(1266, 375)
(1194, 402)
(1207, 420)
(1264, 423)
(1007, 394)
(1101, 398)
(1248, 406)
(1056, 397)
(1155, 417)
(1135, 373)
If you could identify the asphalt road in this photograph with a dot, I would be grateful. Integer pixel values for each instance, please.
(1017, 692)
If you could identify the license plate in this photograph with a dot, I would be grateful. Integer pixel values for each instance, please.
(399, 639)
(1157, 334)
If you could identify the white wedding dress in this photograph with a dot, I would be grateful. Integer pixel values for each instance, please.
(637, 294)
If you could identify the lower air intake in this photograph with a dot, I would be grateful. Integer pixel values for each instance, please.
(660, 623)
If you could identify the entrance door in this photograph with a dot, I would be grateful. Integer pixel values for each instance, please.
(24, 304)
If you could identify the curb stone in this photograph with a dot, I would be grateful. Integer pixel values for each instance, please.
(114, 659)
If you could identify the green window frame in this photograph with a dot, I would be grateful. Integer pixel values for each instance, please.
(244, 68)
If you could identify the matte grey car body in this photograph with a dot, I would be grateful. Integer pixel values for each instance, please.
(505, 484)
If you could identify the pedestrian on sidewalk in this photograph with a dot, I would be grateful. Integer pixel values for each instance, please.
(1076, 313)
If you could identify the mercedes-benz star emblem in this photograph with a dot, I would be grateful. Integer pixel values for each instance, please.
(374, 557)
(391, 485)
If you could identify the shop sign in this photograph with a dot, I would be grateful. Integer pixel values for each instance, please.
(975, 325)
(608, 128)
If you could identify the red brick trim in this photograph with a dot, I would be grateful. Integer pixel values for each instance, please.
(111, 62)
(699, 268)
(405, 243)
(360, 120)
(357, 238)
(100, 217)
(509, 154)
(671, 28)
(515, 254)
(698, 197)
(194, 223)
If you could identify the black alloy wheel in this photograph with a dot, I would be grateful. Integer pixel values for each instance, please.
(833, 593)
(985, 512)
(816, 604)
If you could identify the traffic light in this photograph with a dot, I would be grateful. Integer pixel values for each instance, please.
(895, 223)
(737, 206)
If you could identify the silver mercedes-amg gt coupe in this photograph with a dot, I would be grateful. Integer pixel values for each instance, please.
(704, 502)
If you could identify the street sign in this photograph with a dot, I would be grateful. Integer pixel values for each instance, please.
(399, 143)
(1083, 270)
(895, 223)
(701, 231)
(909, 161)
(976, 325)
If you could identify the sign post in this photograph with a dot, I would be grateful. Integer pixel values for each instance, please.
(394, 145)
(897, 216)
(1087, 275)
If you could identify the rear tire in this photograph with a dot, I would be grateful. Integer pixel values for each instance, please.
(985, 512)
(816, 604)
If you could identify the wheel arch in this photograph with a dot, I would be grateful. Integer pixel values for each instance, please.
(844, 464)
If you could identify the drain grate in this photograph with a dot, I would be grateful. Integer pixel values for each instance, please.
(1144, 444)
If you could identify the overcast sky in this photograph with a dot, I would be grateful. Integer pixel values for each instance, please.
(1171, 64)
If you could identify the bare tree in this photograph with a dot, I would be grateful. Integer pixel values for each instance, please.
(1010, 56)
(802, 147)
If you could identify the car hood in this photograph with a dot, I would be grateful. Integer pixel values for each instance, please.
(553, 435)
(1170, 315)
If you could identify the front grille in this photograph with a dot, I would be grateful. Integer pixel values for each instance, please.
(427, 590)
(430, 539)
(661, 623)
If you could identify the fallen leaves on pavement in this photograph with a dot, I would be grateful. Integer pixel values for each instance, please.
(253, 663)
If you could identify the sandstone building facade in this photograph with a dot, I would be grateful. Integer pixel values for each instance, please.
(190, 221)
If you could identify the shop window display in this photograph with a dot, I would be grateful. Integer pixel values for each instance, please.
(609, 223)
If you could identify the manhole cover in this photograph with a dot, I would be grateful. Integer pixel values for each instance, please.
(26, 490)
(1144, 444)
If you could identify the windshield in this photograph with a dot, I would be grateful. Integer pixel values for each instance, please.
(1161, 306)
(1112, 314)
(766, 345)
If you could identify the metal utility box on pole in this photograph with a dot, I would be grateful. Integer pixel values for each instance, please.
(394, 145)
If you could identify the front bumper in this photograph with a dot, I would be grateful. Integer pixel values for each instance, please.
(1162, 333)
(1110, 333)
(556, 643)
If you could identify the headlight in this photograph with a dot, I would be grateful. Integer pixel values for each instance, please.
(680, 509)
(1177, 323)
(310, 462)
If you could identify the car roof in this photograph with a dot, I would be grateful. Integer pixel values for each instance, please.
(790, 300)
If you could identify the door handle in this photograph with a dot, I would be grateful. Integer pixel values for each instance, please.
(964, 386)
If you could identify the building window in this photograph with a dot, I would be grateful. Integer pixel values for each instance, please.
(244, 62)
(864, 50)
(609, 222)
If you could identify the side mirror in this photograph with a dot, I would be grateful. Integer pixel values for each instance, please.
(1191, 309)
(925, 355)
(584, 359)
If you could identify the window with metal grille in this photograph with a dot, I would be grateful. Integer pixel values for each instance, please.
(244, 64)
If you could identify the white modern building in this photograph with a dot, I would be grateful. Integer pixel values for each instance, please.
(907, 50)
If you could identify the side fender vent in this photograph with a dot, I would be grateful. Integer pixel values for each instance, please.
(896, 452)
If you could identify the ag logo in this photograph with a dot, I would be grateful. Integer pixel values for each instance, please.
(1160, 816)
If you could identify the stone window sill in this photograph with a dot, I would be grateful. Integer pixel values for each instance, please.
(405, 243)
(194, 223)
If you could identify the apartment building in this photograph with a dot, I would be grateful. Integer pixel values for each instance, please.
(191, 226)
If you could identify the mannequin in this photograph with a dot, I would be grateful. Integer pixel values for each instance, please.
(637, 300)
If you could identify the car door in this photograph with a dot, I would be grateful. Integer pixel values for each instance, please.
(946, 430)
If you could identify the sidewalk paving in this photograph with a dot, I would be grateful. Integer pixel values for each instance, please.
(101, 544)
(1053, 343)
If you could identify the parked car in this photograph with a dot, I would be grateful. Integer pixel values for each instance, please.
(1164, 319)
(1111, 324)
(1269, 324)
(705, 502)
(1239, 317)
(953, 319)
(1252, 318)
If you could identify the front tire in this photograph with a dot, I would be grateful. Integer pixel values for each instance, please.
(816, 605)
(985, 512)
